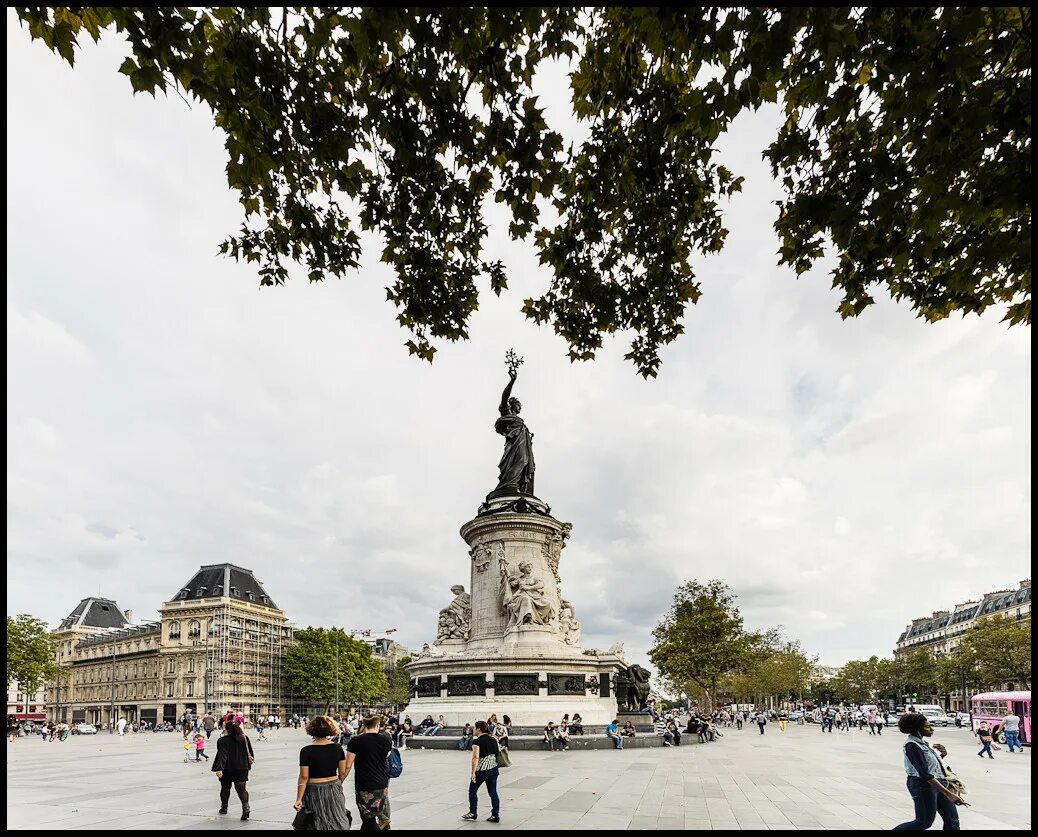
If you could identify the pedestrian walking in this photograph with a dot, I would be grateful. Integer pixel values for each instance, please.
(927, 780)
(872, 719)
(208, 724)
(234, 759)
(121, 725)
(200, 747)
(484, 770)
(12, 728)
(368, 750)
(782, 719)
(1011, 727)
(738, 720)
(761, 719)
(985, 736)
(322, 770)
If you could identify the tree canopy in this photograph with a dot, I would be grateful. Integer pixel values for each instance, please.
(30, 653)
(905, 150)
(310, 668)
(701, 639)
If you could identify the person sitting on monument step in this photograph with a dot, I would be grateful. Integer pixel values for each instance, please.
(577, 726)
(551, 734)
(562, 735)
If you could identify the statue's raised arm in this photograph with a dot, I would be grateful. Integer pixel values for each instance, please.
(504, 409)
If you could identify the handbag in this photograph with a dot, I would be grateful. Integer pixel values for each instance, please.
(503, 759)
(952, 781)
(303, 820)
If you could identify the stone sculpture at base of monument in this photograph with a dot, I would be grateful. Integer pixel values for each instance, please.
(512, 645)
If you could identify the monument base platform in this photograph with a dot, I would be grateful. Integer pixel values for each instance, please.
(576, 742)
(531, 690)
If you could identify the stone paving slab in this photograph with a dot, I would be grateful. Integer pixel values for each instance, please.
(793, 781)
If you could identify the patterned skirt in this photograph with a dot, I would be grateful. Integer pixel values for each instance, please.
(328, 805)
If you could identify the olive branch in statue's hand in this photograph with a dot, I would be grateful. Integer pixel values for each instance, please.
(513, 362)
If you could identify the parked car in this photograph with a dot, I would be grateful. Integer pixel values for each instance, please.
(938, 719)
(795, 716)
(893, 718)
(84, 729)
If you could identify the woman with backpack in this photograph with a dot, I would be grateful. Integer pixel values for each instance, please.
(234, 759)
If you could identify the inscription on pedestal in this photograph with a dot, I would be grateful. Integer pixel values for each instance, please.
(515, 684)
(566, 684)
(466, 684)
(427, 687)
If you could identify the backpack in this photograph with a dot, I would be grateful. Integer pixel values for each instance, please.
(394, 763)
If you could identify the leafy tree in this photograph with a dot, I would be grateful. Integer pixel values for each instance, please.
(399, 683)
(1000, 649)
(919, 673)
(310, 668)
(858, 681)
(905, 148)
(955, 669)
(701, 639)
(30, 653)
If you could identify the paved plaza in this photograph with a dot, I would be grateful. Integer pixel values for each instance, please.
(801, 779)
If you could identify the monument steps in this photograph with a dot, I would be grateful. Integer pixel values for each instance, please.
(536, 742)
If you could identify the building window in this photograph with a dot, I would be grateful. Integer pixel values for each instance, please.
(169, 689)
(218, 590)
(194, 629)
(214, 626)
(201, 592)
(190, 688)
(171, 666)
(191, 665)
(174, 630)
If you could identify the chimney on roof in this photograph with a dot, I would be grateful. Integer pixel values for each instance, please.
(129, 616)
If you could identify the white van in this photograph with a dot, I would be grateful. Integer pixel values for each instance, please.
(935, 713)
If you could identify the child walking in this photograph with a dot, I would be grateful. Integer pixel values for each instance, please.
(200, 747)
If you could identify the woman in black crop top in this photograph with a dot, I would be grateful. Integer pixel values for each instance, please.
(322, 770)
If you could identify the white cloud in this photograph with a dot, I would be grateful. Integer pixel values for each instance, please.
(163, 412)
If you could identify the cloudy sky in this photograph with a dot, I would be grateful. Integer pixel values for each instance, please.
(164, 412)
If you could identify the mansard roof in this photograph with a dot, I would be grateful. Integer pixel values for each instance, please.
(214, 580)
(95, 612)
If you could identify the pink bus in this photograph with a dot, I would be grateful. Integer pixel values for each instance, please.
(994, 706)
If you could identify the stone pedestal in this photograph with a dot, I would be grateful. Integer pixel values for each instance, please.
(521, 655)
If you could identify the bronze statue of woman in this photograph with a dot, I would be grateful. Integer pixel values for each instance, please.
(516, 467)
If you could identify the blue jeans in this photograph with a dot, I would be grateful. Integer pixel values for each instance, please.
(1013, 740)
(490, 778)
(618, 741)
(985, 747)
(435, 728)
(928, 804)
